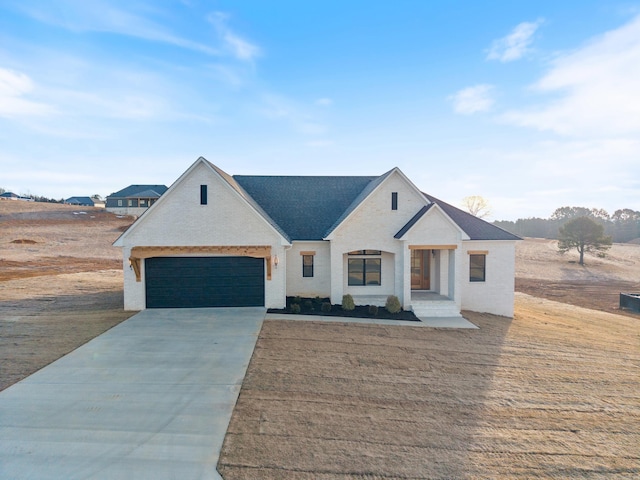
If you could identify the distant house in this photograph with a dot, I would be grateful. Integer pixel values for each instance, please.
(80, 201)
(135, 199)
(9, 196)
(13, 196)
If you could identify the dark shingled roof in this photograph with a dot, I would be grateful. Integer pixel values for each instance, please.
(475, 227)
(79, 201)
(134, 191)
(306, 208)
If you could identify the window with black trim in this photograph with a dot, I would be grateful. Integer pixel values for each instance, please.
(394, 200)
(365, 252)
(203, 194)
(307, 265)
(477, 267)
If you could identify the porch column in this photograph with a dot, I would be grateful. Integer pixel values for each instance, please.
(444, 273)
(404, 261)
(337, 272)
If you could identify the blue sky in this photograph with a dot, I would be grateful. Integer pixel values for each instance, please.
(531, 104)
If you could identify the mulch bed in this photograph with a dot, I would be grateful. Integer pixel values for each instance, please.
(360, 311)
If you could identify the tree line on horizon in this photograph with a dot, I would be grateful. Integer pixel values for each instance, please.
(623, 225)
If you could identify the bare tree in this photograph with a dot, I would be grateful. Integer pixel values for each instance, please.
(477, 206)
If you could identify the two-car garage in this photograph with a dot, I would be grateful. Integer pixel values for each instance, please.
(213, 281)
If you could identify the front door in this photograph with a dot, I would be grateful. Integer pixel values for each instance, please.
(420, 269)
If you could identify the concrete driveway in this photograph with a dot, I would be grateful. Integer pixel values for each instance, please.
(149, 399)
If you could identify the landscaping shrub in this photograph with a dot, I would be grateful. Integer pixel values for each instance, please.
(297, 300)
(308, 305)
(295, 308)
(373, 310)
(347, 303)
(326, 307)
(393, 304)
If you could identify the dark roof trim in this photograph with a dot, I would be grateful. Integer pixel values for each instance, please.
(413, 221)
(475, 227)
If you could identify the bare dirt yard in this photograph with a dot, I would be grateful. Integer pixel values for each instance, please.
(60, 282)
(552, 393)
(542, 272)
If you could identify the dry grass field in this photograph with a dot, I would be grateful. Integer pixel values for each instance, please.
(552, 393)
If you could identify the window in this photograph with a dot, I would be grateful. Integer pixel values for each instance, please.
(365, 252)
(143, 202)
(203, 194)
(477, 267)
(131, 203)
(364, 271)
(307, 265)
(394, 200)
(119, 203)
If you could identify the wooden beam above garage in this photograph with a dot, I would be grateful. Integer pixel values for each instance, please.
(255, 251)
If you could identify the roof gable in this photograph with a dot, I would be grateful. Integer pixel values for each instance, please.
(475, 227)
(184, 178)
(369, 191)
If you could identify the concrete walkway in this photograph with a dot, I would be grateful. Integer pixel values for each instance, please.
(149, 399)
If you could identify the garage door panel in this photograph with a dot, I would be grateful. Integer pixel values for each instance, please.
(190, 282)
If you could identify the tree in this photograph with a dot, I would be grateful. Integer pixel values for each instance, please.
(477, 206)
(585, 235)
(567, 213)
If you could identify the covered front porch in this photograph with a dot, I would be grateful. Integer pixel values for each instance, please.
(432, 281)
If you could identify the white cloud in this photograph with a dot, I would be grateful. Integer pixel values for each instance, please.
(102, 16)
(515, 45)
(596, 89)
(473, 99)
(238, 47)
(13, 88)
(324, 102)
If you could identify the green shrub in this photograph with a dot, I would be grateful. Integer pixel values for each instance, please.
(317, 301)
(297, 300)
(347, 303)
(295, 308)
(373, 310)
(393, 304)
(326, 307)
(307, 304)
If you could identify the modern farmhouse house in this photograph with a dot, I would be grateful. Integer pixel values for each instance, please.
(218, 240)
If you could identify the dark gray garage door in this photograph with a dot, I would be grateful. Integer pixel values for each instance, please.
(192, 282)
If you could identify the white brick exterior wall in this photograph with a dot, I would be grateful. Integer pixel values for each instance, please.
(178, 219)
(495, 295)
(318, 285)
(372, 226)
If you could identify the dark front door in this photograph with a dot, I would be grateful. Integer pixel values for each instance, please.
(420, 269)
(192, 282)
